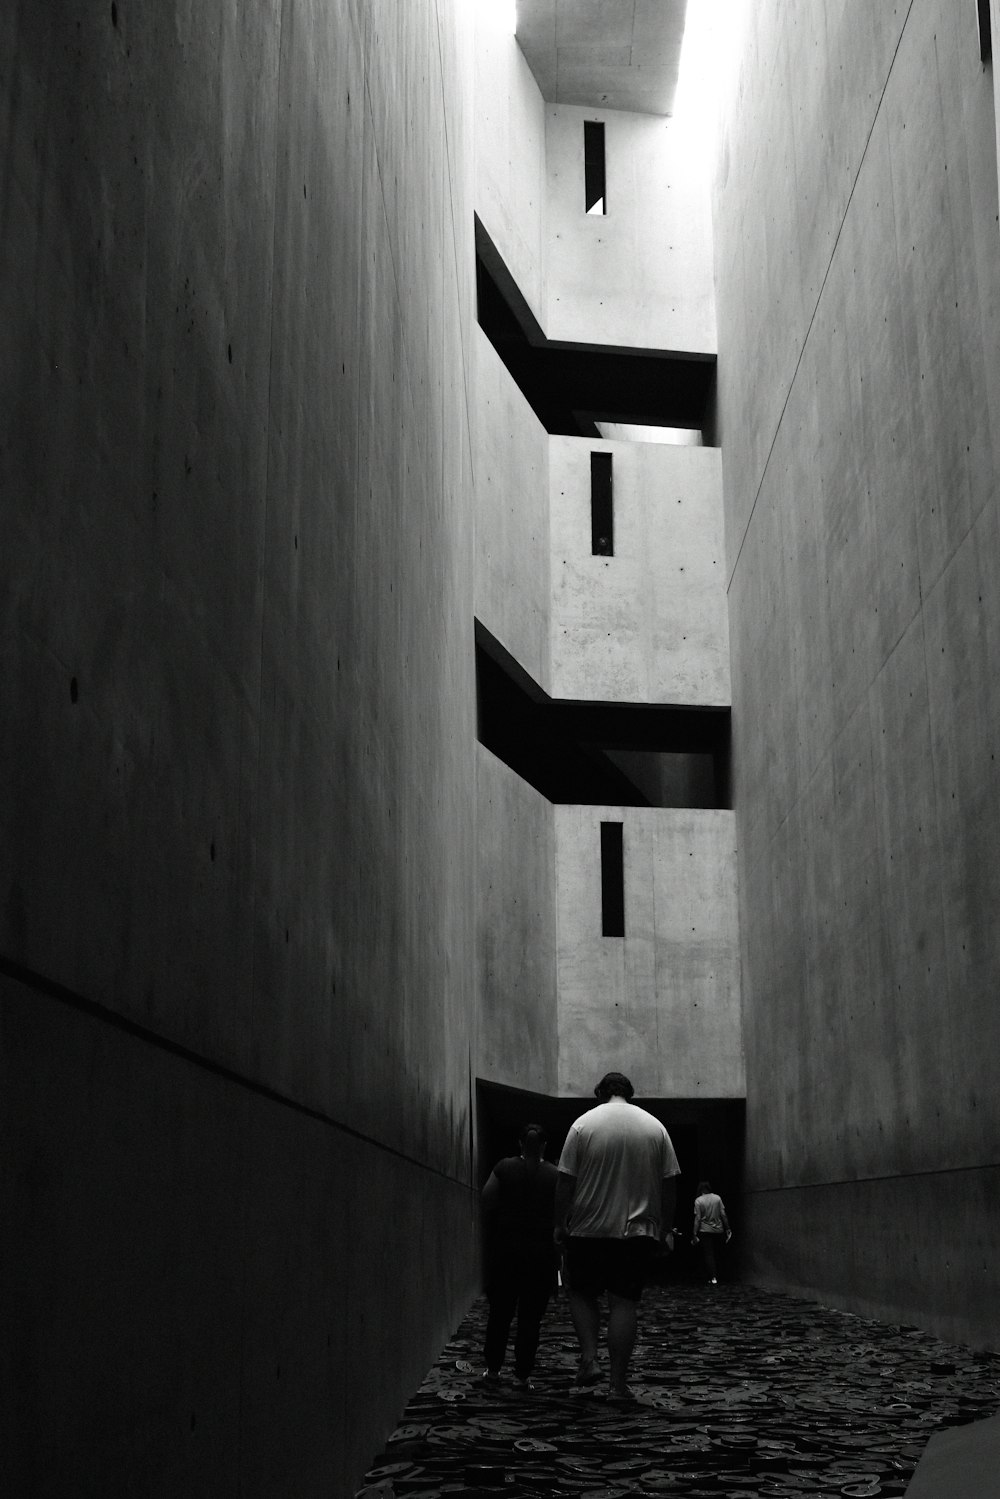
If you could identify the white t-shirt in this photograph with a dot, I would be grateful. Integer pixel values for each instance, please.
(619, 1156)
(708, 1212)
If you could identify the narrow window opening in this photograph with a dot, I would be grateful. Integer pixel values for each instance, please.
(593, 166)
(602, 515)
(985, 31)
(612, 880)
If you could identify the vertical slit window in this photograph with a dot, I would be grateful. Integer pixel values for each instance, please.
(612, 880)
(985, 31)
(602, 515)
(595, 190)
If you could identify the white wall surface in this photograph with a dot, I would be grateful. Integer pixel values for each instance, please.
(650, 623)
(641, 275)
(661, 1003)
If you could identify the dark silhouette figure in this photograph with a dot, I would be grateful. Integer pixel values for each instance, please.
(518, 1204)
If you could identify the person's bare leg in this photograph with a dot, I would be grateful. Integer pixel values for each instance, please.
(586, 1314)
(622, 1323)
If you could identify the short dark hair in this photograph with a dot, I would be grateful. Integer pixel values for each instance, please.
(704, 1187)
(613, 1083)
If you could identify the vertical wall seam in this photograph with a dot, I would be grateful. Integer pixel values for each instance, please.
(819, 296)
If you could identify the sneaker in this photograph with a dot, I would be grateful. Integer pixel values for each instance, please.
(713, 1281)
(490, 1376)
(524, 1384)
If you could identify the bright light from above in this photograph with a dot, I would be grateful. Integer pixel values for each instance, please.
(681, 437)
(499, 15)
(712, 32)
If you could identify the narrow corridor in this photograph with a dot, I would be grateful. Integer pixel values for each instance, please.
(739, 1392)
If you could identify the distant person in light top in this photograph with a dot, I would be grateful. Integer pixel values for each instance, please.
(710, 1224)
(520, 1263)
(614, 1203)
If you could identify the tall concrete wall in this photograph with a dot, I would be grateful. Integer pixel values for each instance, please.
(640, 275)
(510, 157)
(858, 266)
(649, 624)
(516, 946)
(661, 1003)
(512, 587)
(237, 907)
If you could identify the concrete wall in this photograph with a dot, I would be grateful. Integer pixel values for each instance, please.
(237, 735)
(204, 1295)
(517, 1040)
(516, 946)
(641, 275)
(512, 589)
(648, 625)
(510, 157)
(662, 1003)
(994, 14)
(858, 265)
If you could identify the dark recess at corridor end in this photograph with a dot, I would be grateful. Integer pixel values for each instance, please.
(572, 386)
(561, 747)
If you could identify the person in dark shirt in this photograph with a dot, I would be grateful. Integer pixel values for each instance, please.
(520, 1262)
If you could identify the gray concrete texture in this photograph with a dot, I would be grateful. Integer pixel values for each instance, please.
(994, 24)
(513, 583)
(510, 158)
(662, 1003)
(639, 276)
(649, 624)
(518, 1034)
(859, 296)
(924, 1240)
(238, 724)
(257, 1345)
(623, 54)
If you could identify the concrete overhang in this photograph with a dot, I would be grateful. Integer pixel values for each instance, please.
(609, 54)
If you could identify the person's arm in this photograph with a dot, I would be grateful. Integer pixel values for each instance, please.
(565, 1188)
(697, 1222)
(490, 1196)
(668, 1204)
(725, 1222)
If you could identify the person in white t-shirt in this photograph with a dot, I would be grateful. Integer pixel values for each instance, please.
(615, 1201)
(710, 1224)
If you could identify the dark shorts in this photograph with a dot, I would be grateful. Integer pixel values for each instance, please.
(620, 1266)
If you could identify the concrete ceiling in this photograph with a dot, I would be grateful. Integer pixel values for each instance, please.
(612, 54)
